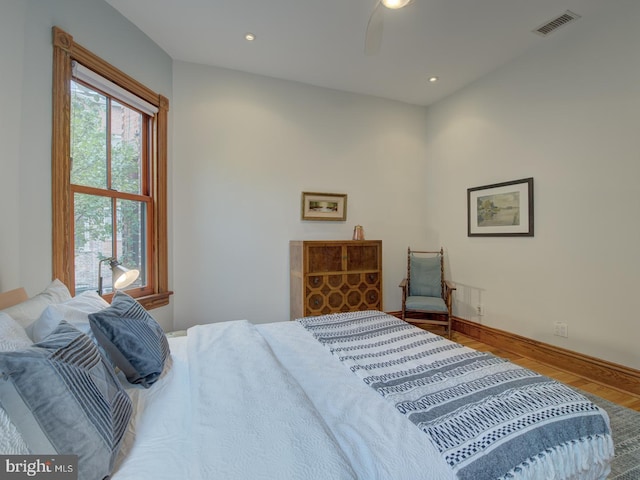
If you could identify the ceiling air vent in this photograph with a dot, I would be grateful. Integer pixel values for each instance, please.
(552, 25)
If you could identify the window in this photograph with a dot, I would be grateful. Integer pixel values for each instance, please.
(109, 175)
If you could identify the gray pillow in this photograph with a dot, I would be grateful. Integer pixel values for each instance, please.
(65, 399)
(133, 340)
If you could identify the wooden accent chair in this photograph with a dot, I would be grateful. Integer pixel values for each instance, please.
(425, 291)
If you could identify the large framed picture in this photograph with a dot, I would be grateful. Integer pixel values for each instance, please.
(324, 206)
(501, 210)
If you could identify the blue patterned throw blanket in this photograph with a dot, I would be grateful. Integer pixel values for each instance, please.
(488, 418)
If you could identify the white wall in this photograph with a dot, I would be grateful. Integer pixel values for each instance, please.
(11, 55)
(25, 163)
(245, 147)
(567, 114)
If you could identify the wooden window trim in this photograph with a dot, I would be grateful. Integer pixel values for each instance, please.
(65, 50)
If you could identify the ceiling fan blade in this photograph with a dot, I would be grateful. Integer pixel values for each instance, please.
(373, 37)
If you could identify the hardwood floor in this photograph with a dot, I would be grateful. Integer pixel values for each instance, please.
(611, 394)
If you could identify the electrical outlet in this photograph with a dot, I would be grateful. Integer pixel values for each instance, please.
(480, 310)
(561, 329)
(564, 330)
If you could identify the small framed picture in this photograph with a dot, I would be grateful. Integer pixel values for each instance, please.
(501, 210)
(324, 206)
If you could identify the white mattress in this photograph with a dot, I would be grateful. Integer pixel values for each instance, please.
(248, 402)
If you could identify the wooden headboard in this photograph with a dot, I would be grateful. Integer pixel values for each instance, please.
(12, 297)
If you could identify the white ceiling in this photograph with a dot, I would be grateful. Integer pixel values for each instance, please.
(321, 42)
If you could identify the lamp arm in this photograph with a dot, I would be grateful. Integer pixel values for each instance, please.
(100, 272)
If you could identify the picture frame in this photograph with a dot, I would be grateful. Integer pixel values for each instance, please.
(324, 206)
(501, 209)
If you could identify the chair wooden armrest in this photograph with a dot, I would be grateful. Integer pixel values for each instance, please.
(449, 287)
(403, 286)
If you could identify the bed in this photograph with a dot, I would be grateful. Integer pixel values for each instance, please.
(358, 395)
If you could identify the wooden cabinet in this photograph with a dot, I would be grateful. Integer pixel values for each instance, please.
(335, 276)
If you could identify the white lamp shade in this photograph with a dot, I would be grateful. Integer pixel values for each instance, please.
(123, 277)
(394, 4)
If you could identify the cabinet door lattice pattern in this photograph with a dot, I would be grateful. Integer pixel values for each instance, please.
(342, 293)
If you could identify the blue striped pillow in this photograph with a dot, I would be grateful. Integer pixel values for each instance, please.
(65, 399)
(132, 339)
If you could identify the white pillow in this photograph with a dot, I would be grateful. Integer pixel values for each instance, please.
(28, 311)
(75, 311)
(12, 337)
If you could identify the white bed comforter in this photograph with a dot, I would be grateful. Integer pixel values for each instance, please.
(239, 415)
(244, 402)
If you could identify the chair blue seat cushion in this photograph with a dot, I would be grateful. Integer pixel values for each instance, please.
(427, 304)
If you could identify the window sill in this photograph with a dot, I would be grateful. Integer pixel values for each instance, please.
(156, 300)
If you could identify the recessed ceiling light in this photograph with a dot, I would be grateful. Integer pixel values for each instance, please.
(249, 37)
(433, 79)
